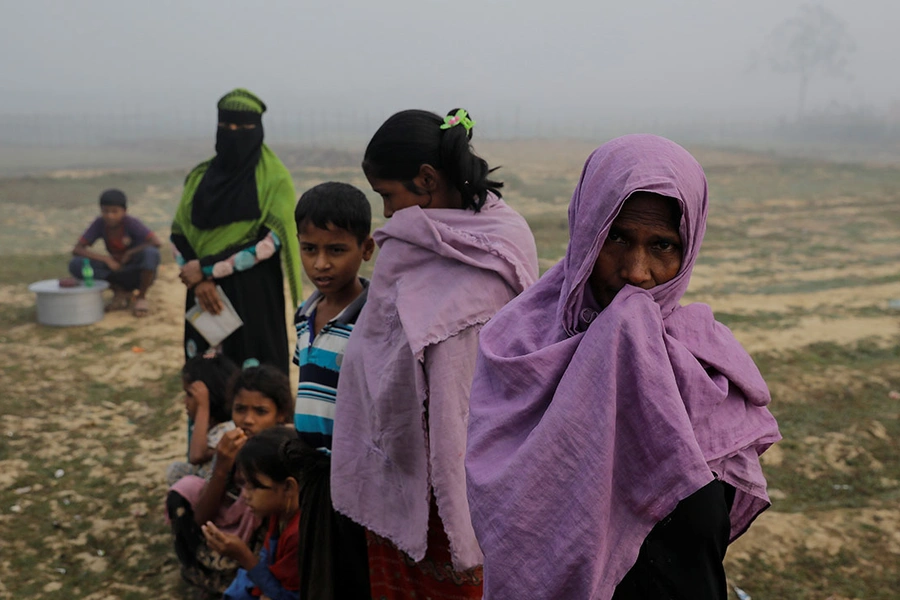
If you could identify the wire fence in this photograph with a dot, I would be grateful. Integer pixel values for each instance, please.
(336, 128)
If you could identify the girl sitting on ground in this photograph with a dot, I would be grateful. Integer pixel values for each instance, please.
(271, 466)
(260, 399)
(205, 382)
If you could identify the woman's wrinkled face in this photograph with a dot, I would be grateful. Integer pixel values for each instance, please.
(643, 247)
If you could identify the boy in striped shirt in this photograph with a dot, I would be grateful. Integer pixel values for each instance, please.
(333, 225)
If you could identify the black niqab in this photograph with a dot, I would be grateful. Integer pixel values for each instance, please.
(228, 193)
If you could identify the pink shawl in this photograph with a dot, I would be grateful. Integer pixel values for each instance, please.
(439, 273)
(588, 428)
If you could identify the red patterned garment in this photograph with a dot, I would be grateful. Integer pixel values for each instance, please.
(393, 575)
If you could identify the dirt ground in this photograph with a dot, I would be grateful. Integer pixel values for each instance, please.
(801, 261)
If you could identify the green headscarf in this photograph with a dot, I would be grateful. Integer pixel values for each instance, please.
(275, 196)
(241, 100)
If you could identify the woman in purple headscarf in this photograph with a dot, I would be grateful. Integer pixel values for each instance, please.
(614, 435)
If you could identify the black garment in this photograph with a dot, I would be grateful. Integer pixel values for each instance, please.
(681, 558)
(200, 566)
(333, 558)
(257, 295)
(228, 193)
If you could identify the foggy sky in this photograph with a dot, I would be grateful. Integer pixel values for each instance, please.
(558, 57)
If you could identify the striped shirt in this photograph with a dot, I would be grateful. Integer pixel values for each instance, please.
(319, 358)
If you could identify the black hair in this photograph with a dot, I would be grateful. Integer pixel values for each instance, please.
(412, 138)
(215, 372)
(113, 197)
(268, 381)
(277, 453)
(338, 204)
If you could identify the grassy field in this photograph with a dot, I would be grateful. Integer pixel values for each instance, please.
(801, 260)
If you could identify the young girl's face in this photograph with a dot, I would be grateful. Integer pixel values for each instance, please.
(190, 403)
(269, 498)
(253, 412)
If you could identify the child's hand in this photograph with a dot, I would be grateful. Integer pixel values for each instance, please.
(228, 545)
(230, 444)
(199, 392)
(112, 263)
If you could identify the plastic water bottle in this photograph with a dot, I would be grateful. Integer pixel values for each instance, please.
(87, 273)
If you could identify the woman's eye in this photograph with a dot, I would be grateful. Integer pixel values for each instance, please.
(665, 246)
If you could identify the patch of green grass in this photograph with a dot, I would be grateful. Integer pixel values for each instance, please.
(511, 180)
(801, 287)
(871, 573)
(25, 269)
(757, 320)
(17, 315)
(550, 190)
(158, 396)
(866, 354)
(872, 311)
(551, 234)
(850, 396)
(120, 331)
(800, 179)
(71, 193)
(94, 486)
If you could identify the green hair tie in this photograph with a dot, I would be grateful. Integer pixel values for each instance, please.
(460, 118)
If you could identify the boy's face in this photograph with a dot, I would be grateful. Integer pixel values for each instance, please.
(332, 257)
(112, 215)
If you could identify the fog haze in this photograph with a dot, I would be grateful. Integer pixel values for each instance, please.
(512, 59)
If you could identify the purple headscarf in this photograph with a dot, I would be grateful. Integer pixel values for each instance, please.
(440, 272)
(587, 428)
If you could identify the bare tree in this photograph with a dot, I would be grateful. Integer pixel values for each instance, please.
(815, 42)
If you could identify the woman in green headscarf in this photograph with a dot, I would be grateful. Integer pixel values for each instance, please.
(235, 218)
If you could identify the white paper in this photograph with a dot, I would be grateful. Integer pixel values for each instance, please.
(215, 328)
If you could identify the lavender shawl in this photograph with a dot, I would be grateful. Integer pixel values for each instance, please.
(439, 273)
(587, 428)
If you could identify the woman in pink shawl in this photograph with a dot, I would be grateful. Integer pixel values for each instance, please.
(450, 256)
(615, 435)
